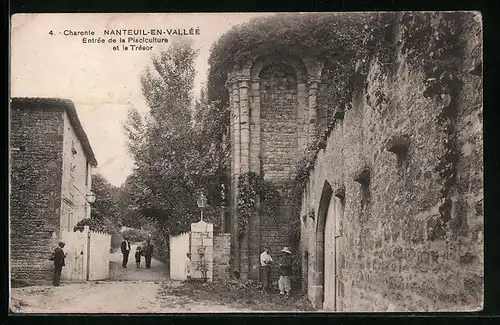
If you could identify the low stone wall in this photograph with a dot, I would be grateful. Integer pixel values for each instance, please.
(221, 256)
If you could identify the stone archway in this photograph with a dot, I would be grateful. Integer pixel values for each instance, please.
(319, 262)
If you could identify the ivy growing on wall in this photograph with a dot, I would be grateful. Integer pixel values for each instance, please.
(331, 37)
(251, 187)
(247, 200)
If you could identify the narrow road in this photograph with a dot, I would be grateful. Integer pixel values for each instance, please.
(157, 272)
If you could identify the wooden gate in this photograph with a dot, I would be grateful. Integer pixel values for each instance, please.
(333, 254)
(179, 247)
(77, 255)
(329, 275)
(87, 255)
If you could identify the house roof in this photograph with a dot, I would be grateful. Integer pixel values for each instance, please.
(69, 107)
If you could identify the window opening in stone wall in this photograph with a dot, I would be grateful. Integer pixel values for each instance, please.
(73, 149)
(363, 178)
(398, 145)
(70, 219)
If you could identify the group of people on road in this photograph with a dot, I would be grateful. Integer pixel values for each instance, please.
(285, 270)
(266, 261)
(145, 250)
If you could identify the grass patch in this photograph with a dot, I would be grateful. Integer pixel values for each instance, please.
(238, 295)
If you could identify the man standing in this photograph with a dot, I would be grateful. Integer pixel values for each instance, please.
(148, 253)
(265, 263)
(58, 257)
(125, 251)
(284, 282)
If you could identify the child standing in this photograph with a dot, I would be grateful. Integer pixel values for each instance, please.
(138, 254)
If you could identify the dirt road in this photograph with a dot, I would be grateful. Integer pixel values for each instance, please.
(129, 290)
(108, 297)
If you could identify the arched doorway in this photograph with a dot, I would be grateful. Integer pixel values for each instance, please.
(330, 275)
(333, 251)
(328, 249)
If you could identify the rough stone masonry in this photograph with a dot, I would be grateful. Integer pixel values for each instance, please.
(38, 151)
(403, 164)
(407, 162)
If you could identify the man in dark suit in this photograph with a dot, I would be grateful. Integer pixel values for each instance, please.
(148, 253)
(125, 247)
(59, 257)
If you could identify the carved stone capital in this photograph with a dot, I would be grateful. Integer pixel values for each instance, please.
(313, 81)
(243, 79)
(229, 82)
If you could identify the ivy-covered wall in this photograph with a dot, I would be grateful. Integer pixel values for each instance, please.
(407, 157)
(389, 118)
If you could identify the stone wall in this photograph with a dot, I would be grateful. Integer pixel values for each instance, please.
(278, 120)
(412, 240)
(35, 194)
(274, 235)
(269, 99)
(221, 256)
(202, 250)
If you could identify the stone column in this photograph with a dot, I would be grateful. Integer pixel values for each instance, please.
(254, 247)
(235, 169)
(302, 116)
(255, 126)
(244, 125)
(244, 166)
(312, 95)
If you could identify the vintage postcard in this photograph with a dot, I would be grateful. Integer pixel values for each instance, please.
(246, 162)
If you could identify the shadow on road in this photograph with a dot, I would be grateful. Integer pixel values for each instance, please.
(157, 272)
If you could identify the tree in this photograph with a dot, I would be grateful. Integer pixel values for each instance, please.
(104, 214)
(129, 215)
(176, 147)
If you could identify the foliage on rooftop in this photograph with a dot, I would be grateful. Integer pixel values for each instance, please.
(332, 37)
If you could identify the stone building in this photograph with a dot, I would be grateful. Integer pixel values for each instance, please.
(272, 100)
(51, 163)
(392, 209)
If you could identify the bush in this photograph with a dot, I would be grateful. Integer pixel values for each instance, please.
(135, 235)
(161, 250)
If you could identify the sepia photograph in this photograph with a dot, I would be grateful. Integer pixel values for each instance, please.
(167, 163)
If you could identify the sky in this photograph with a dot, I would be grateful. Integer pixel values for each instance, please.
(102, 83)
